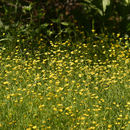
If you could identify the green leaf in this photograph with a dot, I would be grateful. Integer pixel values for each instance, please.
(49, 32)
(55, 20)
(27, 8)
(5, 39)
(1, 24)
(127, 1)
(6, 27)
(45, 24)
(65, 23)
(105, 3)
(97, 9)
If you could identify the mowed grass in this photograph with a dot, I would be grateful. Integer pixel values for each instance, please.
(65, 89)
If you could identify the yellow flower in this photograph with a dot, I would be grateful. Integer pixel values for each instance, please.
(55, 109)
(18, 40)
(93, 30)
(118, 35)
(28, 128)
(34, 127)
(82, 118)
(126, 61)
(41, 106)
(80, 75)
(109, 126)
(57, 82)
(6, 82)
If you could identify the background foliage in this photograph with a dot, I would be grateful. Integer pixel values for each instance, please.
(61, 19)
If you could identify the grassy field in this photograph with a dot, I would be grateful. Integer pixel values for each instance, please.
(65, 89)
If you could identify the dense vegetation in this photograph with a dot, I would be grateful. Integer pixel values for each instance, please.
(64, 64)
(62, 19)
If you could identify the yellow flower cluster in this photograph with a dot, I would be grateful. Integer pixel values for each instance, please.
(66, 89)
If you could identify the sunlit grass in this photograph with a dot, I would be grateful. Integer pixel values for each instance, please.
(71, 86)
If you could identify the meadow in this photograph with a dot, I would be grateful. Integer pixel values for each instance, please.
(71, 86)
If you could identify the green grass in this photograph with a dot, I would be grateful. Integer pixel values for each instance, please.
(66, 89)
